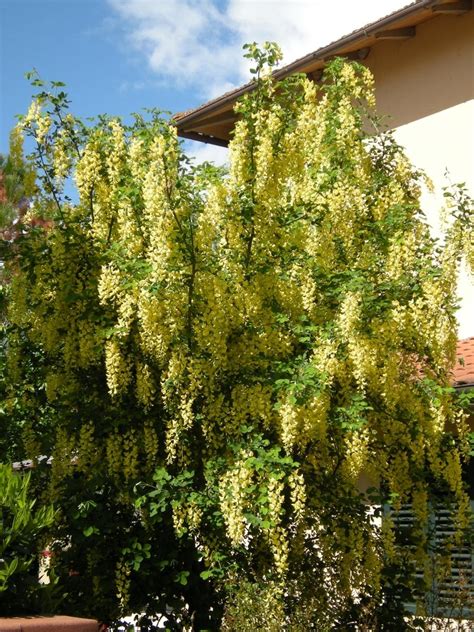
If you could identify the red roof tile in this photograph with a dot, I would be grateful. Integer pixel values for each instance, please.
(463, 372)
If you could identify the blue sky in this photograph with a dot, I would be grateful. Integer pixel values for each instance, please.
(82, 44)
(118, 56)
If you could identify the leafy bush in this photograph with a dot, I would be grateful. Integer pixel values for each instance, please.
(23, 534)
(221, 357)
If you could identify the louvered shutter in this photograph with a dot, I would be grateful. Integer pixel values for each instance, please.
(454, 595)
(458, 588)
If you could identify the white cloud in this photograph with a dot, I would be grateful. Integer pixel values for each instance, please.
(202, 152)
(128, 86)
(199, 44)
(180, 39)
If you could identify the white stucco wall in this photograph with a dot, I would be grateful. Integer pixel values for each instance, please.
(437, 143)
(425, 84)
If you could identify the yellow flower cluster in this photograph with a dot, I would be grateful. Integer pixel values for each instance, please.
(87, 173)
(251, 403)
(122, 583)
(61, 158)
(302, 424)
(297, 494)
(114, 453)
(150, 444)
(131, 455)
(145, 386)
(233, 498)
(127, 230)
(42, 129)
(181, 423)
(116, 155)
(31, 442)
(34, 111)
(88, 450)
(16, 146)
(117, 367)
(357, 453)
(122, 452)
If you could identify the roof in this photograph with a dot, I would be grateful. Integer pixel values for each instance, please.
(463, 372)
(213, 121)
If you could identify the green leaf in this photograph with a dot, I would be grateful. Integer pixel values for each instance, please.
(182, 578)
(88, 531)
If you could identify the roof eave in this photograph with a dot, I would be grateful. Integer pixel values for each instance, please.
(184, 122)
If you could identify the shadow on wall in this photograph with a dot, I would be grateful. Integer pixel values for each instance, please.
(428, 73)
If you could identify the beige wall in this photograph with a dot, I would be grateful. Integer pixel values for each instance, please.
(426, 85)
(428, 73)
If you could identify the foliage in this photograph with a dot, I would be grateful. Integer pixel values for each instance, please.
(12, 177)
(222, 360)
(21, 406)
(22, 528)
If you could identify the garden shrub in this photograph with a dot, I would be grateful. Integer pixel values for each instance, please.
(23, 534)
(221, 356)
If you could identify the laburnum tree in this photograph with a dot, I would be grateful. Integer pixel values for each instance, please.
(240, 377)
